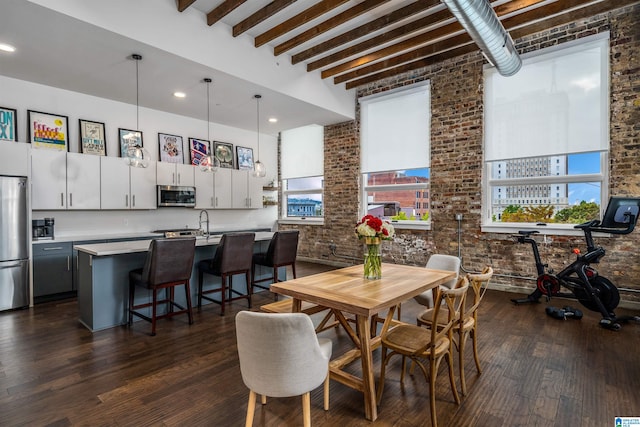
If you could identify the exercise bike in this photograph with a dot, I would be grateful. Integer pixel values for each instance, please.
(580, 279)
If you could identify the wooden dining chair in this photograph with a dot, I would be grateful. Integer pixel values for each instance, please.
(468, 326)
(415, 343)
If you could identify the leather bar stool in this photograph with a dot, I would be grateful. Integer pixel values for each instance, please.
(233, 256)
(168, 264)
(282, 251)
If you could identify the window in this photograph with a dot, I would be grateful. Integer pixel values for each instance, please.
(395, 149)
(302, 170)
(547, 128)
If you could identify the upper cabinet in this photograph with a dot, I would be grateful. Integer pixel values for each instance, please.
(62, 180)
(175, 174)
(222, 190)
(246, 190)
(125, 187)
(15, 158)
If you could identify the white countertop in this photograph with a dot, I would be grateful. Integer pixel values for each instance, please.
(117, 248)
(89, 237)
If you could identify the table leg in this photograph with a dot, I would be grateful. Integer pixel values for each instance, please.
(296, 305)
(364, 327)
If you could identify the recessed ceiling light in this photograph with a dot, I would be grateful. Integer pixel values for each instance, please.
(273, 120)
(7, 47)
(179, 94)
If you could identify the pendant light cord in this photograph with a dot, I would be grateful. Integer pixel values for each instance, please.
(257, 97)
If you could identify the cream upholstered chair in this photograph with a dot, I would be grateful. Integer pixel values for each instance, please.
(440, 262)
(281, 356)
(433, 344)
(468, 326)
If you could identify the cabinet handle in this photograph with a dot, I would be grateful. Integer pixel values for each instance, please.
(216, 201)
(55, 248)
(178, 179)
(173, 178)
(62, 199)
(68, 263)
(126, 200)
(133, 201)
(212, 201)
(70, 199)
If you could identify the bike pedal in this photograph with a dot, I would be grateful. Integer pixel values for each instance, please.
(573, 313)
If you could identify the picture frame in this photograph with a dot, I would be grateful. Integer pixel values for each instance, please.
(198, 149)
(244, 158)
(92, 138)
(8, 120)
(170, 148)
(128, 138)
(46, 130)
(223, 151)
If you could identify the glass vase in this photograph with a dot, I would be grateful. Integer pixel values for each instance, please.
(373, 258)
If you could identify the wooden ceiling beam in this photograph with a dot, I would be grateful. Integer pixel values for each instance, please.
(328, 25)
(419, 40)
(263, 14)
(183, 4)
(302, 18)
(223, 10)
(570, 14)
(368, 28)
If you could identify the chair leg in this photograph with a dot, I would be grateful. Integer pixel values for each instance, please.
(248, 280)
(452, 378)
(306, 409)
(263, 399)
(187, 292)
(251, 407)
(432, 391)
(275, 280)
(132, 289)
(200, 279)
(474, 340)
(293, 268)
(154, 307)
(223, 290)
(383, 366)
(404, 368)
(326, 392)
(462, 338)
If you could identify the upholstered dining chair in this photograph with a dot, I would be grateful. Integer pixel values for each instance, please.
(281, 356)
(282, 252)
(232, 257)
(440, 262)
(415, 343)
(468, 326)
(168, 264)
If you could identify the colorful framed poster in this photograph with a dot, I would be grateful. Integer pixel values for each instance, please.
(198, 150)
(244, 157)
(48, 130)
(128, 139)
(170, 148)
(224, 153)
(92, 138)
(8, 120)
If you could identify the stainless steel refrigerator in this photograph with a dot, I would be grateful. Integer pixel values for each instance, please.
(14, 238)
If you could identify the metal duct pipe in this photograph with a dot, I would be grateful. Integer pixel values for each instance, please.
(484, 27)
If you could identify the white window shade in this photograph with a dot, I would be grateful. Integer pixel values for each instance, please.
(302, 152)
(394, 130)
(557, 104)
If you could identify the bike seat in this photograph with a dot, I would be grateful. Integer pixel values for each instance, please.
(527, 233)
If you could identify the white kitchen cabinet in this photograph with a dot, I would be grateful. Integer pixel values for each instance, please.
(62, 180)
(175, 174)
(15, 158)
(204, 189)
(247, 190)
(222, 190)
(125, 187)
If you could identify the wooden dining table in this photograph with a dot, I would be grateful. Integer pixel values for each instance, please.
(347, 293)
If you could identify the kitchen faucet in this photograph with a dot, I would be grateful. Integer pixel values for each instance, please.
(200, 221)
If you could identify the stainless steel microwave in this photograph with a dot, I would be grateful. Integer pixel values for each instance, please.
(172, 195)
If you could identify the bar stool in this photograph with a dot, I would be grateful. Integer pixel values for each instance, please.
(168, 264)
(282, 251)
(233, 256)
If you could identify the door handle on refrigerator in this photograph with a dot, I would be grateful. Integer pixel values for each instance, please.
(9, 266)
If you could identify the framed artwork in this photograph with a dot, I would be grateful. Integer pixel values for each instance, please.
(224, 153)
(170, 148)
(92, 138)
(129, 138)
(8, 120)
(48, 130)
(198, 149)
(244, 157)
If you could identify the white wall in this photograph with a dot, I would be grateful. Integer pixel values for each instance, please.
(23, 96)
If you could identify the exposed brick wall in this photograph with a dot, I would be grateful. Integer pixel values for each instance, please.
(456, 166)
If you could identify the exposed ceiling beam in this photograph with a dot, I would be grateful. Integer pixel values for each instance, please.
(327, 25)
(363, 30)
(222, 10)
(263, 14)
(183, 4)
(302, 18)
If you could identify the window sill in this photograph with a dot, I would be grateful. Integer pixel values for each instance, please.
(301, 221)
(549, 229)
(411, 225)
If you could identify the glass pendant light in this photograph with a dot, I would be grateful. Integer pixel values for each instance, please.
(209, 163)
(135, 155)
(259, 170)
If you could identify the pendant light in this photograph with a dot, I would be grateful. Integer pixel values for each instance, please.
(136, 155)
(209, 163)
(259, 170)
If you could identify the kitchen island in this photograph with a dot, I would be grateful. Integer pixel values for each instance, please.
(103, 270)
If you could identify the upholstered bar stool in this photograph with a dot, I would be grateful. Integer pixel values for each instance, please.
(168, 264)
(282, 251)
(233, 256)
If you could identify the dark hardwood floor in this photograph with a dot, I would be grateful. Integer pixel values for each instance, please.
(537, 371)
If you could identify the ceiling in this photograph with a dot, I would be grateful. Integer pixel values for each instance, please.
(346, 43)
